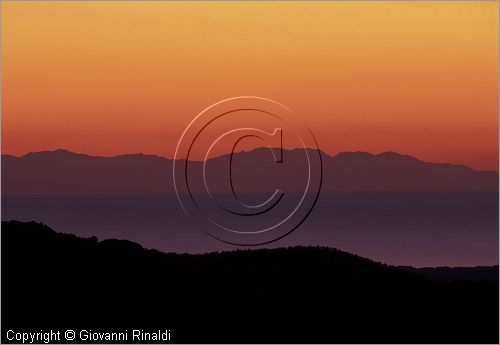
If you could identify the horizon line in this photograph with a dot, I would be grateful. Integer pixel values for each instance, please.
(249, 151)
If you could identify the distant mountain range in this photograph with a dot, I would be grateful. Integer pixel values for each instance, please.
(65, 172)
(453, 274)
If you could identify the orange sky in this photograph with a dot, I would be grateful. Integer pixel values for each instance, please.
(107, 78)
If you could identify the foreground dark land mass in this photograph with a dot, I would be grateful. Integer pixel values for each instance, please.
(300, 294)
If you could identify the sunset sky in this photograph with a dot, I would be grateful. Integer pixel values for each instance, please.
(108, 78)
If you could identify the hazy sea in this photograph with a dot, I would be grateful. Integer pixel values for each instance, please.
(417, 229)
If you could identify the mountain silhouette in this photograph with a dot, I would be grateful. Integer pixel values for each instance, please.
(300, 294)
(65, 172)
(451, 274)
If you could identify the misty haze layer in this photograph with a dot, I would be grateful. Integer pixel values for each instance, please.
(391, 208)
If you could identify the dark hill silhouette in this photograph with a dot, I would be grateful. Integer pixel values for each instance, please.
(64, 172)
(300, 294)
(451, 274)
